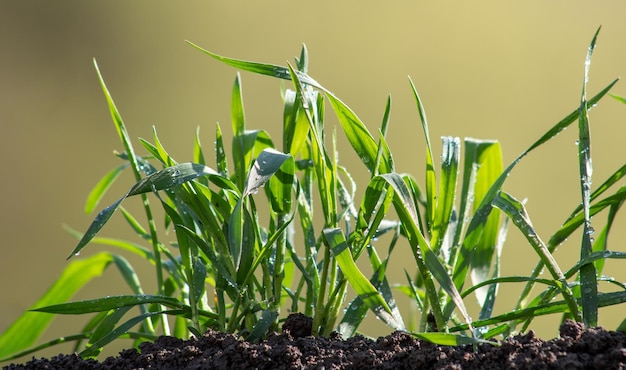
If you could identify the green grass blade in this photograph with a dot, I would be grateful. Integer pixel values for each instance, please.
(427, 260)
(98, 223)
(358, 135)
(220, 152)
(618, 98)
(278, 192)
(589, 287)
(487, 304)
(101, 188)
(569, 119)
(508, 279)
(173, 176)
(27, 328)
(361, 285)
(601, 241)
(128, 273)
(303, 61)
(446, 196)
(65, 339)
(245, 148)
(260, 68)
(161, 154)
(262, 327)
(94, 349)
(593, 257)
(295, 125)
(371, 214)
(265, 166)
(242, 142)
(199, 278)
(198, 155)
(105, 327)
(134, 224)
(382, 144)
(264, 251)
(236, 233)
(356, 311)
(576, 220)
(446, 339)
(407, 214)
(194, 275)
(250, 243)
(238, 117)
(431, 181)
(517, 213)
(137, 249)
(161, 180)
(280, 186)
(132, 280)
(470, 167)
(107, 303)
(324, 167)
(218, 261)
(610, 181)
(418, 295)
(488, 158)
(443, 278)
(119, 125)
(137, 166)
(604, 300)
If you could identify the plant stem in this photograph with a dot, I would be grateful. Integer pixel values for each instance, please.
(319, 317)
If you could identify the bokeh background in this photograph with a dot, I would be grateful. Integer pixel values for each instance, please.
(491, 69)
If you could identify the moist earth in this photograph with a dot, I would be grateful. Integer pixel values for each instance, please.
(295, 348)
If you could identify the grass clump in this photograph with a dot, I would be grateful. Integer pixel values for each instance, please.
(230, 271)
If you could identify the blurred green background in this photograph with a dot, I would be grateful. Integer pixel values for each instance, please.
(492, 69)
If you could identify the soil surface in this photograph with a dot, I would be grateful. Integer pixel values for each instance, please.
(295, 348)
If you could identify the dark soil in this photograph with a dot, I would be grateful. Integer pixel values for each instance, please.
(295, 348)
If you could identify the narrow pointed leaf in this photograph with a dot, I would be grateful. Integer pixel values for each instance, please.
(446, 339)
(260, 68)
(359, 137)
(123, 329)
(265, 166)
(431, 182)
(107, 303)
(161, 180)
(446, 196)
(361, 285)
(589, 287)
(517, 213)
(488, 159)
(25, 331)
(101, 188)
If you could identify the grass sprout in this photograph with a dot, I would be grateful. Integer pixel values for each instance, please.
(249, 248)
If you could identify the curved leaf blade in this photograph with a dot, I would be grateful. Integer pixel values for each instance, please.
(27, 328)
(102, 186)
(160, 180)
(361, 285)
(107, 303)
